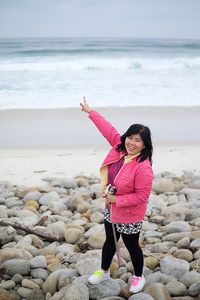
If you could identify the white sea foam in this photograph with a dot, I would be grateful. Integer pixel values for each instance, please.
(36, 78)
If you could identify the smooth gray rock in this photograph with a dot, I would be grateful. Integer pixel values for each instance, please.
(16, 266)
(104, 289)
(140, 296)
(174, 266)
(190, 278)
(50, 284)
(194, 289)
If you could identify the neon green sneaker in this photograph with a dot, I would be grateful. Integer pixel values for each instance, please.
(99, 276)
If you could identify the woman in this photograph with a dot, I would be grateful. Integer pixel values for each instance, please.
(127, 167)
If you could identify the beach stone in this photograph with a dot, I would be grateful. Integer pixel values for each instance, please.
(184, 254)
(5, 295)
(32, 203)
(83, 207)
(183, 243)
(17, 278)
(48, 198)
(57, 229)
(174, 199)
(31, 196)
(197, 254)
(55, 266)
(7, 285)
(153, 234)
(194, 235)
(50, 284)
(52, 248)
(174, 266)
(72, 235)
(192, 214)
(178, 226)
(156, 203)
(29, 284)
(56, 207)
(107, 288)
(183, 298)
(37, 241)
(68, 183)
(96, 241)
(195, 244)
(176, 288)
(158, 277)
(7, 234)
(82, 181)
(120, 298)
(88, 265)
(191, 193)
(194, 289)
(195, 264)
(14, 202)
(63, 281)
(175, 237)
(51, 259)
(36, 294)
(125, 254)
(96, 191)
(38, 262)
(3, 212)
(97, 217)
(16, 266)
(72, 292)
(158, 291)
(11, 253)
(24, 242)
(75, 200)
(39, 273)
(160, 247)
(147, 226)
(97, 228)
(31, 209)
(139, 296)
(23, 292)
(153, 240)
(163, 185)
(151, 262)
(190, 278)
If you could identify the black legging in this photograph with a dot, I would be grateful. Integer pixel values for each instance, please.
(131, 243)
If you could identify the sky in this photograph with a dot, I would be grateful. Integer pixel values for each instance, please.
(100, 18)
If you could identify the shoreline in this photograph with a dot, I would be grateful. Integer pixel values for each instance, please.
(29, 166)
(65, 127)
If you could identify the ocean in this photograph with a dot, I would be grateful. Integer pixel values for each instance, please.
(58, 72)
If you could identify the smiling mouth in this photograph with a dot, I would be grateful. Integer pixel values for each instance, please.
(131, 149)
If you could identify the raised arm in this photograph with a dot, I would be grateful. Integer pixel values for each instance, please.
(105, 127)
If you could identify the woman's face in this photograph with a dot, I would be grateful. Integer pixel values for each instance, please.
(134, 144)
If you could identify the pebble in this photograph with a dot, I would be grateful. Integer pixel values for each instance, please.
(43, 270)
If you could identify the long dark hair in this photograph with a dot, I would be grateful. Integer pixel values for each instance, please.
(145, 134)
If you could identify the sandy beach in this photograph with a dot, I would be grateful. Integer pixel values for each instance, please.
(64, 143)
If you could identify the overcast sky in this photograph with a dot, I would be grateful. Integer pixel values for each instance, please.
(100, 18)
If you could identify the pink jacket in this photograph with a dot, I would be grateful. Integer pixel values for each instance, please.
(133, 182)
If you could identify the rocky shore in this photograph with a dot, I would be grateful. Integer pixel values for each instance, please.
(51, 240)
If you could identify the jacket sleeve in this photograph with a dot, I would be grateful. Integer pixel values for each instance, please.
(105, 127)
(143, 184)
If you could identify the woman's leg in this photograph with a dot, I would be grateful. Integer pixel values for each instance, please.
(109, 249)
(131, 242)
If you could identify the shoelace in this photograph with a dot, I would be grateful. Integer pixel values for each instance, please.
(135, 280)
(98, 273)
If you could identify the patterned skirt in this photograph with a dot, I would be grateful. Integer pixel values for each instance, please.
(127, 228)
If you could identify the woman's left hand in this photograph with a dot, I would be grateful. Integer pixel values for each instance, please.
(110, 198)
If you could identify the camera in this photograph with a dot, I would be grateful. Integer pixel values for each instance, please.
(111, 189)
